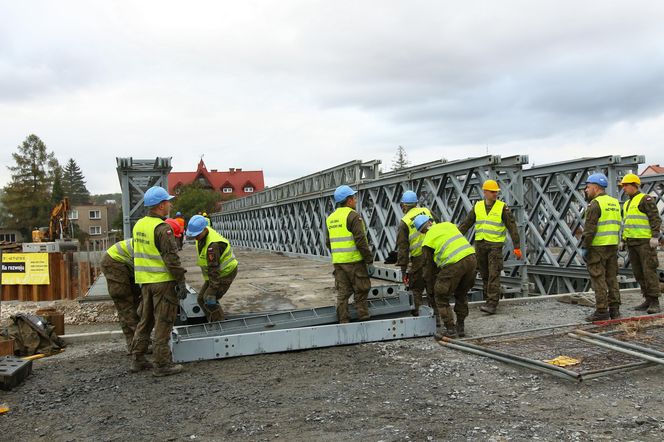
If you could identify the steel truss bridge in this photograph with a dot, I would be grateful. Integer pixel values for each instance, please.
(547, 201)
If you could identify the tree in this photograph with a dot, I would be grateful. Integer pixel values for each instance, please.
(57, 192)
(400, 159)
(27, 197)
(193, 198)
(74, 184)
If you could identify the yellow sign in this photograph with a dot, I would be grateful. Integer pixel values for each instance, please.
(25, 269)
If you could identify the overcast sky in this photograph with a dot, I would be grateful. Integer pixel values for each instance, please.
(294, 87)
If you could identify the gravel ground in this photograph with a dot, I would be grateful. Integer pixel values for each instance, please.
(401, 390)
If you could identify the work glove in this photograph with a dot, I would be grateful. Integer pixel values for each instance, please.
(210, 300)
(517, 253)
(371, 269)
(181, 290)
(621, 246)
(584, 253)
(654, 242)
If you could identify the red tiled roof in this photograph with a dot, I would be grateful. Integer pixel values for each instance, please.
(652, 169)
(236, 178)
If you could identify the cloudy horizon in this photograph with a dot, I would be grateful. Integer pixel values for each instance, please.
(293, 87)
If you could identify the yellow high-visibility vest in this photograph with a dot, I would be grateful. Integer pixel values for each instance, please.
(122, 251)
(149, 266)
(490, 226)
(635, 222)
(448, 244)
(342, 244)
(608, 225)
(227, 261)
(415, 237)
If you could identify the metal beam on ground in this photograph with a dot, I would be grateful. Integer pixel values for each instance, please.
(244, 344)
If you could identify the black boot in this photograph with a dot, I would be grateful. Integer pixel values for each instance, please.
(614, 312)
(654, 306)
(643, 306)
(489, 308)
(601, 314)
(450, 330)
(459, 329)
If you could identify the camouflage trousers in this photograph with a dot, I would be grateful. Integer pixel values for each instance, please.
(125, 293)
(644, 262)
(159, 310)
(602, 265)
(215, 313)
(352, 280)
(418, 283)
(490, 264)
(455, 280)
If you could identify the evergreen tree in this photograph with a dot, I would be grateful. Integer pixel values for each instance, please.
(27, 197)
(400, 159)
(74, 184)
(58, 192)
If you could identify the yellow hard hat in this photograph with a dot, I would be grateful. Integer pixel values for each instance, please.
(204, 214)
(631, 178)
(490, 185)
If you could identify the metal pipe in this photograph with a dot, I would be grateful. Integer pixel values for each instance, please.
(620, 343)
(549, 327)
(591, 374)
(541, 364)
(509, 360)
(617, 348)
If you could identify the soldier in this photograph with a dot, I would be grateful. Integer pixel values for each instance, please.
(493, 218)
(218, 264)
(409, 246)
(445, 248)
(352, 259)
(180, 220)
(599, 247)
(157, 268)
(118, 268)
(641, 235)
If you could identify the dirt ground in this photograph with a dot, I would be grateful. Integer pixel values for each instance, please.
(400, 390)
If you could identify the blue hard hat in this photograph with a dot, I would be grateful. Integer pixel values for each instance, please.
(598, 178)
(196, 225)
(420, 220)
(409, 197)
(154, 195)
(343, 192)
(178, 213)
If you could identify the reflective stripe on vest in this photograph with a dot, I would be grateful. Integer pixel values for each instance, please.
(122, 251)
(415, 237)
(449, 245)
(227, 261)
(636, 224)
(342, 244)
(490, 227)
(608, 225)
(149, 266)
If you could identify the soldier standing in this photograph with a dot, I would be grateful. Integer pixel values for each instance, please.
(641, 234)
(118, 268)
(445, 248)
(409, 247)
(218, 264)
(601, 234)
(157, 268)
(493, 219)
(351, 255)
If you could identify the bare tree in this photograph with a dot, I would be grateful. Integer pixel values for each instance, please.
(400, 159)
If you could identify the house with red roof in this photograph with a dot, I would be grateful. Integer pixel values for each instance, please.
(653, 169)
(233, 182)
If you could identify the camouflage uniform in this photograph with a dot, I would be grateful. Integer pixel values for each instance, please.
(353, 278)
(601, 262)
(124, 292)
(160, 303)
(216, 285)
(456, 279)
(642, 257)
(416, 282)
(490, 254)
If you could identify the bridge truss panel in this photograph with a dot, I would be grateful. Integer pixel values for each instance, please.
(137, 176)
